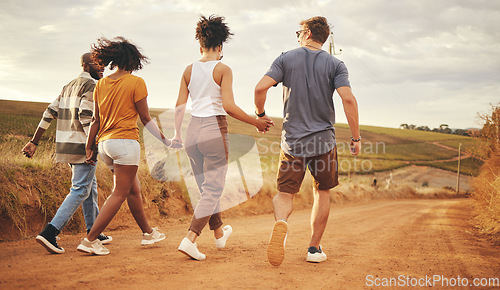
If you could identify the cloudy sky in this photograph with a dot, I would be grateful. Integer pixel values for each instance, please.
(417, 62)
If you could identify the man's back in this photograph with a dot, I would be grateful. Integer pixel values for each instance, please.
(73, 109)
(309, 79)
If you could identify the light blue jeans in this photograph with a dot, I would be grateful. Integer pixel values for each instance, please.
(83, 192)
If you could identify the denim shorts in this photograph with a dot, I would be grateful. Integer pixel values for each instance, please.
(120, 151)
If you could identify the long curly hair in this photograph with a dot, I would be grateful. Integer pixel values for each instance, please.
(212, 31)
(118, 52)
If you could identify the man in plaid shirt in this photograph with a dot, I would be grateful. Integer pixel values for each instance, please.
(73, 108)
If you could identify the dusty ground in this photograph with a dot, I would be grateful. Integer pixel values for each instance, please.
(384, 239)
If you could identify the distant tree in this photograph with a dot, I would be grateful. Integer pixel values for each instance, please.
(443, 127)
(411, 127)
(461, 132)
(423, 128)
(403, 126)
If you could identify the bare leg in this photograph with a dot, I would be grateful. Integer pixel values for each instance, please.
(134, 201)
(124, 176)
(191, 236)
(319, 215)
(283, 205)
(218, 233)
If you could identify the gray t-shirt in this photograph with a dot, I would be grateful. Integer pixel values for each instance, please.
(309, 79)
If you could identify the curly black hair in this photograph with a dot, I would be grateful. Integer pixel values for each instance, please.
(212, 31)
(118, 52)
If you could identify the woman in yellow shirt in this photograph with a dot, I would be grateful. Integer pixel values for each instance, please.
(119, 100)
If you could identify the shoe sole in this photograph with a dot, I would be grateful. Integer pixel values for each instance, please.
(191, 257)
(311, 260)
(187, 254)
(48, 246)
(84, 249)
(150, 242)
(276, 247)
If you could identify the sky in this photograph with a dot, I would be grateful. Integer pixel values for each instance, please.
(416, 62)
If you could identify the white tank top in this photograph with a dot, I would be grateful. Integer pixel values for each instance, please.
(205, 92)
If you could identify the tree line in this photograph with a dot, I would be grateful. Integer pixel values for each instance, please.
(443, 128)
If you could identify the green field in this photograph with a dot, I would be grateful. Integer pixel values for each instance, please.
(383, 148)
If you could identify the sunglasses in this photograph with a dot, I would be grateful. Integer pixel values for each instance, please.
(299, 31)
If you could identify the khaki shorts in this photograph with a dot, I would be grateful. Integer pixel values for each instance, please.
(323, 168)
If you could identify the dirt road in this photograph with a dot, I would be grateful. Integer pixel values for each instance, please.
(402, 239)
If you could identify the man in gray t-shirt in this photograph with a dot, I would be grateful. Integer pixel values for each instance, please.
(309, 76)
(309, 79)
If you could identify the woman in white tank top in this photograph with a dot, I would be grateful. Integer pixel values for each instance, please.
(209, 83)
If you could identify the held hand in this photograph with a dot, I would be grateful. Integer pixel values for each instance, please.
(29, 150)
(176, 142)
(355, 147)
(91, 156)
(270, 121)
(263, 124)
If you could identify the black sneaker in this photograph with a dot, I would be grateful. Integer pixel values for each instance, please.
(103, 238)
(47, 238)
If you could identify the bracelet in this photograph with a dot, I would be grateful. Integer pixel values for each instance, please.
(31, 141)
(355, 140)
(261, 114)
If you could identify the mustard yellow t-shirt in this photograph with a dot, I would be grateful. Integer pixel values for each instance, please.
(117, 112)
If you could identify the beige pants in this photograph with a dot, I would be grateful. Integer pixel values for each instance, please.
(207, 147)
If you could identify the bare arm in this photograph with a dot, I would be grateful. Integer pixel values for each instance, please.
(143, 110)
(90, 146)
(351, 112)
(232, 109)
(49, 114)
(30, 147)
(261, 93)
(180, 107)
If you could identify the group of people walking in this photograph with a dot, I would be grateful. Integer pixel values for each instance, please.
(98, 116)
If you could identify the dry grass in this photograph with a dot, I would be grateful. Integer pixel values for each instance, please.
(487, 196)
(487, 184)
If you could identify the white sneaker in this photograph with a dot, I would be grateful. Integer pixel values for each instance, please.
(315, 256)
(94, 247)
(221, 242)
(153, 237)
(276, 247)
(191, 250)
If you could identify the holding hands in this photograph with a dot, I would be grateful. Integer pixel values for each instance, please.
(264, 124)
(176, 142)
(91, 152)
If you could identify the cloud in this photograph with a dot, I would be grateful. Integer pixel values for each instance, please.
(422, 62)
